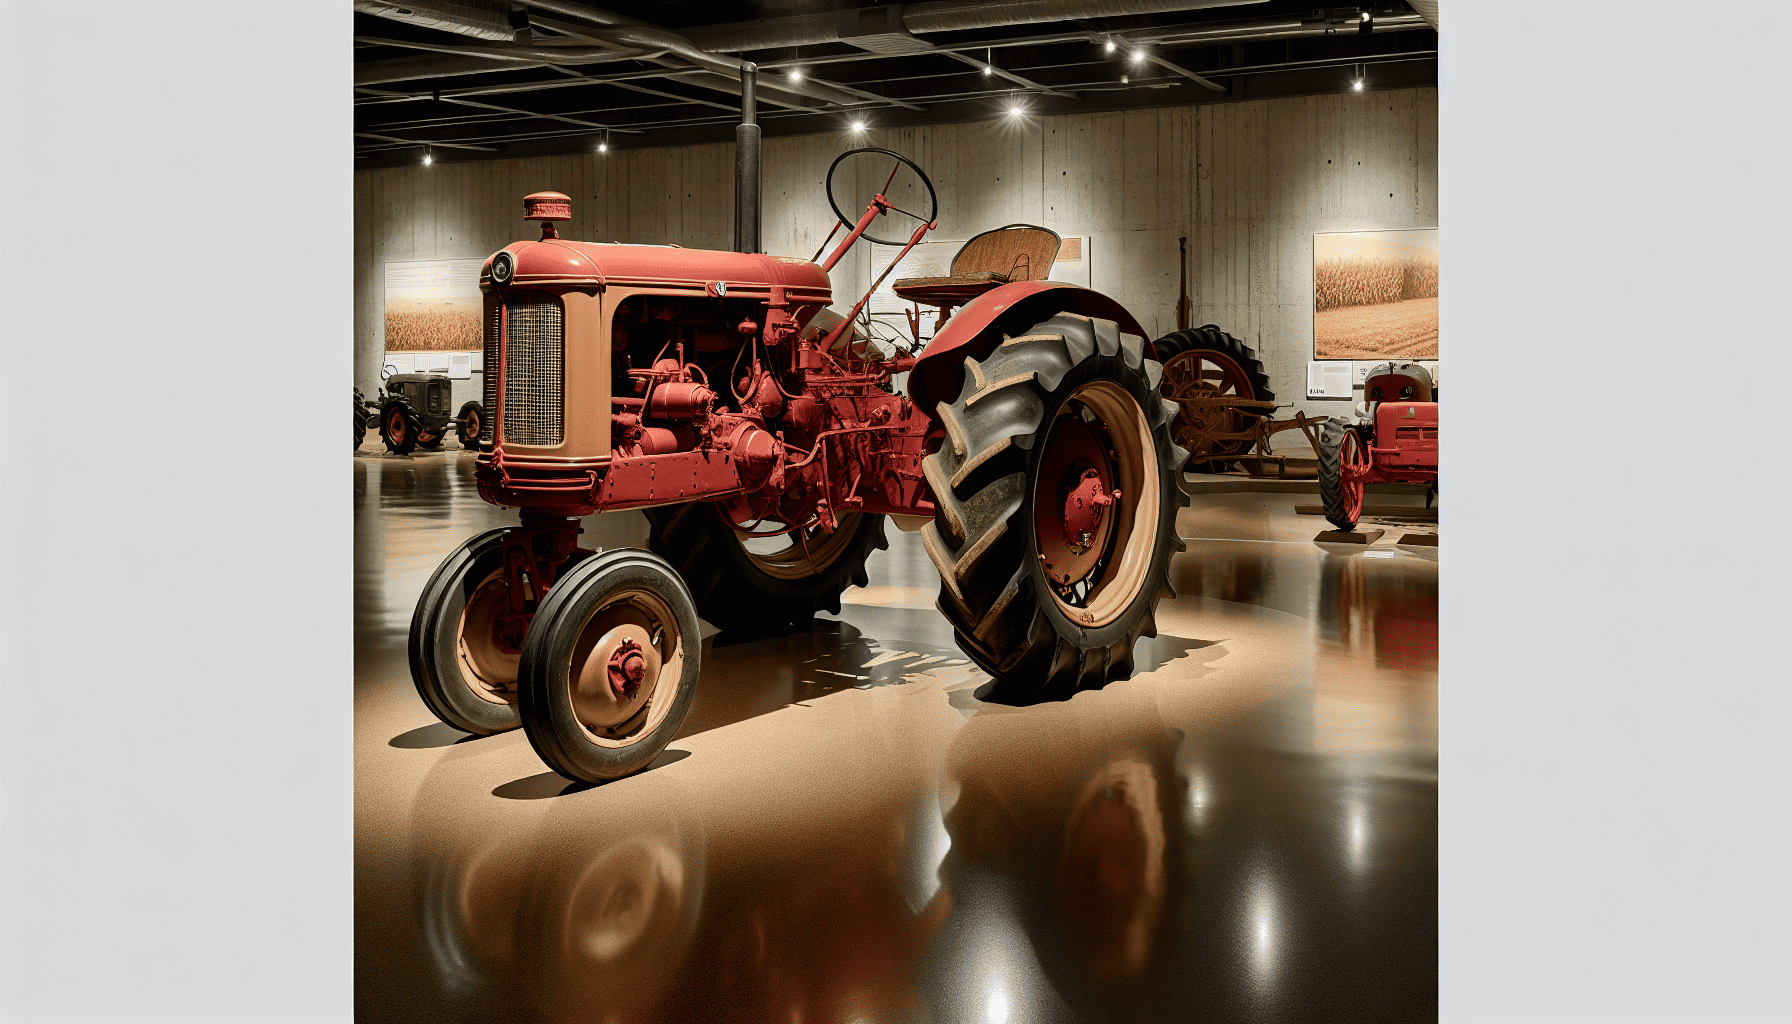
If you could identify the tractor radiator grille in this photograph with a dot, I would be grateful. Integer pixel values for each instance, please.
(533, 370)
(489, 369)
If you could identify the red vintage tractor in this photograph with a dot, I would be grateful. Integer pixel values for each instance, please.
(761, 435)
(1393, 440)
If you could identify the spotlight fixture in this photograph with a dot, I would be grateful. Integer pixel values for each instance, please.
(429, 156)
(1357, 85)
(796, 74)
(1108, 47)
(987, 70)
(1138, 56)
(603, 142)
(1015, 110)
(858, 126)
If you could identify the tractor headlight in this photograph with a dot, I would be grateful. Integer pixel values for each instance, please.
(503, 268)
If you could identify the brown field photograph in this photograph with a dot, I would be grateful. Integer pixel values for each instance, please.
(1375, 294)
(433, 325)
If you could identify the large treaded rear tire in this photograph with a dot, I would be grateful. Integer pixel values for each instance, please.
(1253, 383)
(735, 593)
(993, 588)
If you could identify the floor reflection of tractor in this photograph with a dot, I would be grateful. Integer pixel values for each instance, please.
(1392, 440)
(413, 413)
(763, 438)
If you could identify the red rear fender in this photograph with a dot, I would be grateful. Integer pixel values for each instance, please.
(977, 328)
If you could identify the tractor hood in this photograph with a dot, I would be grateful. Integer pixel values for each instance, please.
(703, 271)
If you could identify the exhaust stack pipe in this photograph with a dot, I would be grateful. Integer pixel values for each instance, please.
(746, 163)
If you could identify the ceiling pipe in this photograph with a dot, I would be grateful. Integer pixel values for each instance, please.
(628, 31)
(803, 30)
(481, 19)
(1264, 29)
(405, 69)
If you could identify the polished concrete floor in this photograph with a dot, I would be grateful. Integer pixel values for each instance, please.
(845, 831)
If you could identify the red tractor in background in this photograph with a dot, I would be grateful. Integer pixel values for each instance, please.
(1393, 440)
(761, 435)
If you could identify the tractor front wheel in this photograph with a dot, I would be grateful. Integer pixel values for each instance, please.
(399, 427)
(1056, 493)
(466, 639)
(1342, 460)
(609, 666)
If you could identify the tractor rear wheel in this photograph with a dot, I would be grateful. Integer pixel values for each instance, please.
(609, 666)
(763, 586)
(399, 427)
(1056, 494)
(1341, 446)
(466, 641)
(1202, 363)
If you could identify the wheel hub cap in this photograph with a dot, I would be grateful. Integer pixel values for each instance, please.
(617, 678)
(627, 666)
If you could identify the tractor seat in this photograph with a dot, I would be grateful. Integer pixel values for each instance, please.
(1016, 252)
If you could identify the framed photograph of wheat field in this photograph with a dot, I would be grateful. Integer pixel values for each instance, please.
(1375, 294)
(433, 306)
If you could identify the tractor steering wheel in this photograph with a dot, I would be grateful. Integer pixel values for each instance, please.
(933, 200)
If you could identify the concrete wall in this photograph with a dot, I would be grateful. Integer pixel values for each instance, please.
(1248, 183)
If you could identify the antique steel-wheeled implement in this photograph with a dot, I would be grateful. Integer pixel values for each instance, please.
(762, 436)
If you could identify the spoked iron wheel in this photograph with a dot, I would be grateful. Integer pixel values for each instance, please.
(609, 666)
(1201, 365)
(1343, 463)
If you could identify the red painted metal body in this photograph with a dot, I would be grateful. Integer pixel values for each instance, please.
(1399, 445)
(628, 376)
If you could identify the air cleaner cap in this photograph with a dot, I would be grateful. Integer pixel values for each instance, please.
(547, 206)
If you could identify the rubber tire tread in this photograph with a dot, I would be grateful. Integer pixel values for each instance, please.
(470, 442)
(1209, 338)
(732, 593)
(435, 667)
(1001, 609)
(413, 422)
(543, 692)
(1331, 472)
